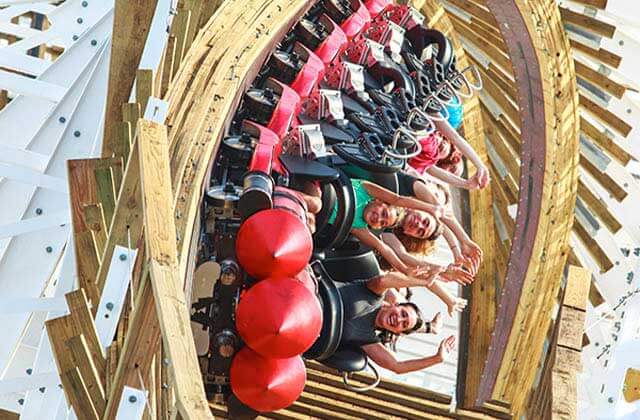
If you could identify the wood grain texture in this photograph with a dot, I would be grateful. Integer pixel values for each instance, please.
(161, 244)
(132, 19)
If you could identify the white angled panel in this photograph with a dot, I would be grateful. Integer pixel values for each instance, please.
(132, 404)
(113, 294)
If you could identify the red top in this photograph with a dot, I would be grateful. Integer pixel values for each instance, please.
(429, 154)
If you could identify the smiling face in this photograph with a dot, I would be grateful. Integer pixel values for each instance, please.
(419, 224)
(379, 215)
(397, 318)
(444, 148)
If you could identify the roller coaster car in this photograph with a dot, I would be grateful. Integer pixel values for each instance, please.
(346, 94)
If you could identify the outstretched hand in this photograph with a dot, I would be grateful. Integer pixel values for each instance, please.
(427, 272)
(445, 350)
(472, 255)
(479, 180)
(457, 274)
(456, 305)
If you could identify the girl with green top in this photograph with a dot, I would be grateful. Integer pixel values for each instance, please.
(378, 208)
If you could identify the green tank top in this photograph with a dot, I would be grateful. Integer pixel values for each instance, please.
(362, 199)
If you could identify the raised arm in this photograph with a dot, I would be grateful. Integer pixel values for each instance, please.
(384, 358)
(448, 177)
(460, 142)
(394, 199)
(366, 237)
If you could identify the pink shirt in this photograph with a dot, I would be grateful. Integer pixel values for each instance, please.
(428, 157)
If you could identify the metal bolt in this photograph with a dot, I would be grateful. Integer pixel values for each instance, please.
(165, 386)
(38, 211)
(109, 306)
(85, 3)
(132, 399)
(165, 362)
(610, 399)
(21, 401)
(49, 250)
(62, 120)
(79, 20)
(29, 371)
(123, 257)
(94, 42)
(75, 37)
(76, 133)
(42, 389)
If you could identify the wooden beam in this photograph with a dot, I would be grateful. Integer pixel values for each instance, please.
(603, 140)
(83, 324)
(589, 23)
(602, 55)
(170, 299)
(92, 378)
(605, 116)
(599, 207)
(132, 19)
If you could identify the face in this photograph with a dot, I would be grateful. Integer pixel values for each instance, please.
(419, 224)
(380, 215)
(397, 319)
(444, 148)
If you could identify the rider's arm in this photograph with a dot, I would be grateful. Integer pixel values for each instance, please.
(366, 237)
(392, 241)
(387, 360)
(393, 280)
(394, 199)
(460, 142)
(448, 177)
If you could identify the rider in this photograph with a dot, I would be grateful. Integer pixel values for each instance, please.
(367, 316)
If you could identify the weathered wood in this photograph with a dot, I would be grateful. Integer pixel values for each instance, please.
(94, 217)
(135, 357)
(592, 24)
(171, 304)
(132, 19)
(144, 88)
(106, 192)
(576, 292)
(83, 324)
(179, 29)
(602, 55)
(79, 395)
(90, 375)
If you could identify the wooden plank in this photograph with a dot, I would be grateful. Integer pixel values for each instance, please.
(126, 227)
(589, 23)
(600, 80)
(106, 192)
(82, 191)
(144, 87)
(94, 217)
(602, 55)
(179, 29)
(4, 414)
(122, 144)
(607, 144)
(605, 116)
(132, 19)
(82, 321)
(135, 355)
(571, 328)
(576, 292)
(167, 65)
(171, 306)
(80, 399)
(615, 190)
(131, 113)
(599, 256)
(599, 207)
(90, 375)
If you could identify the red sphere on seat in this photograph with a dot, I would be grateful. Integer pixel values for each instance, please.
(267, 384)
(273, 243)
(306, 278)
(279, 317)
